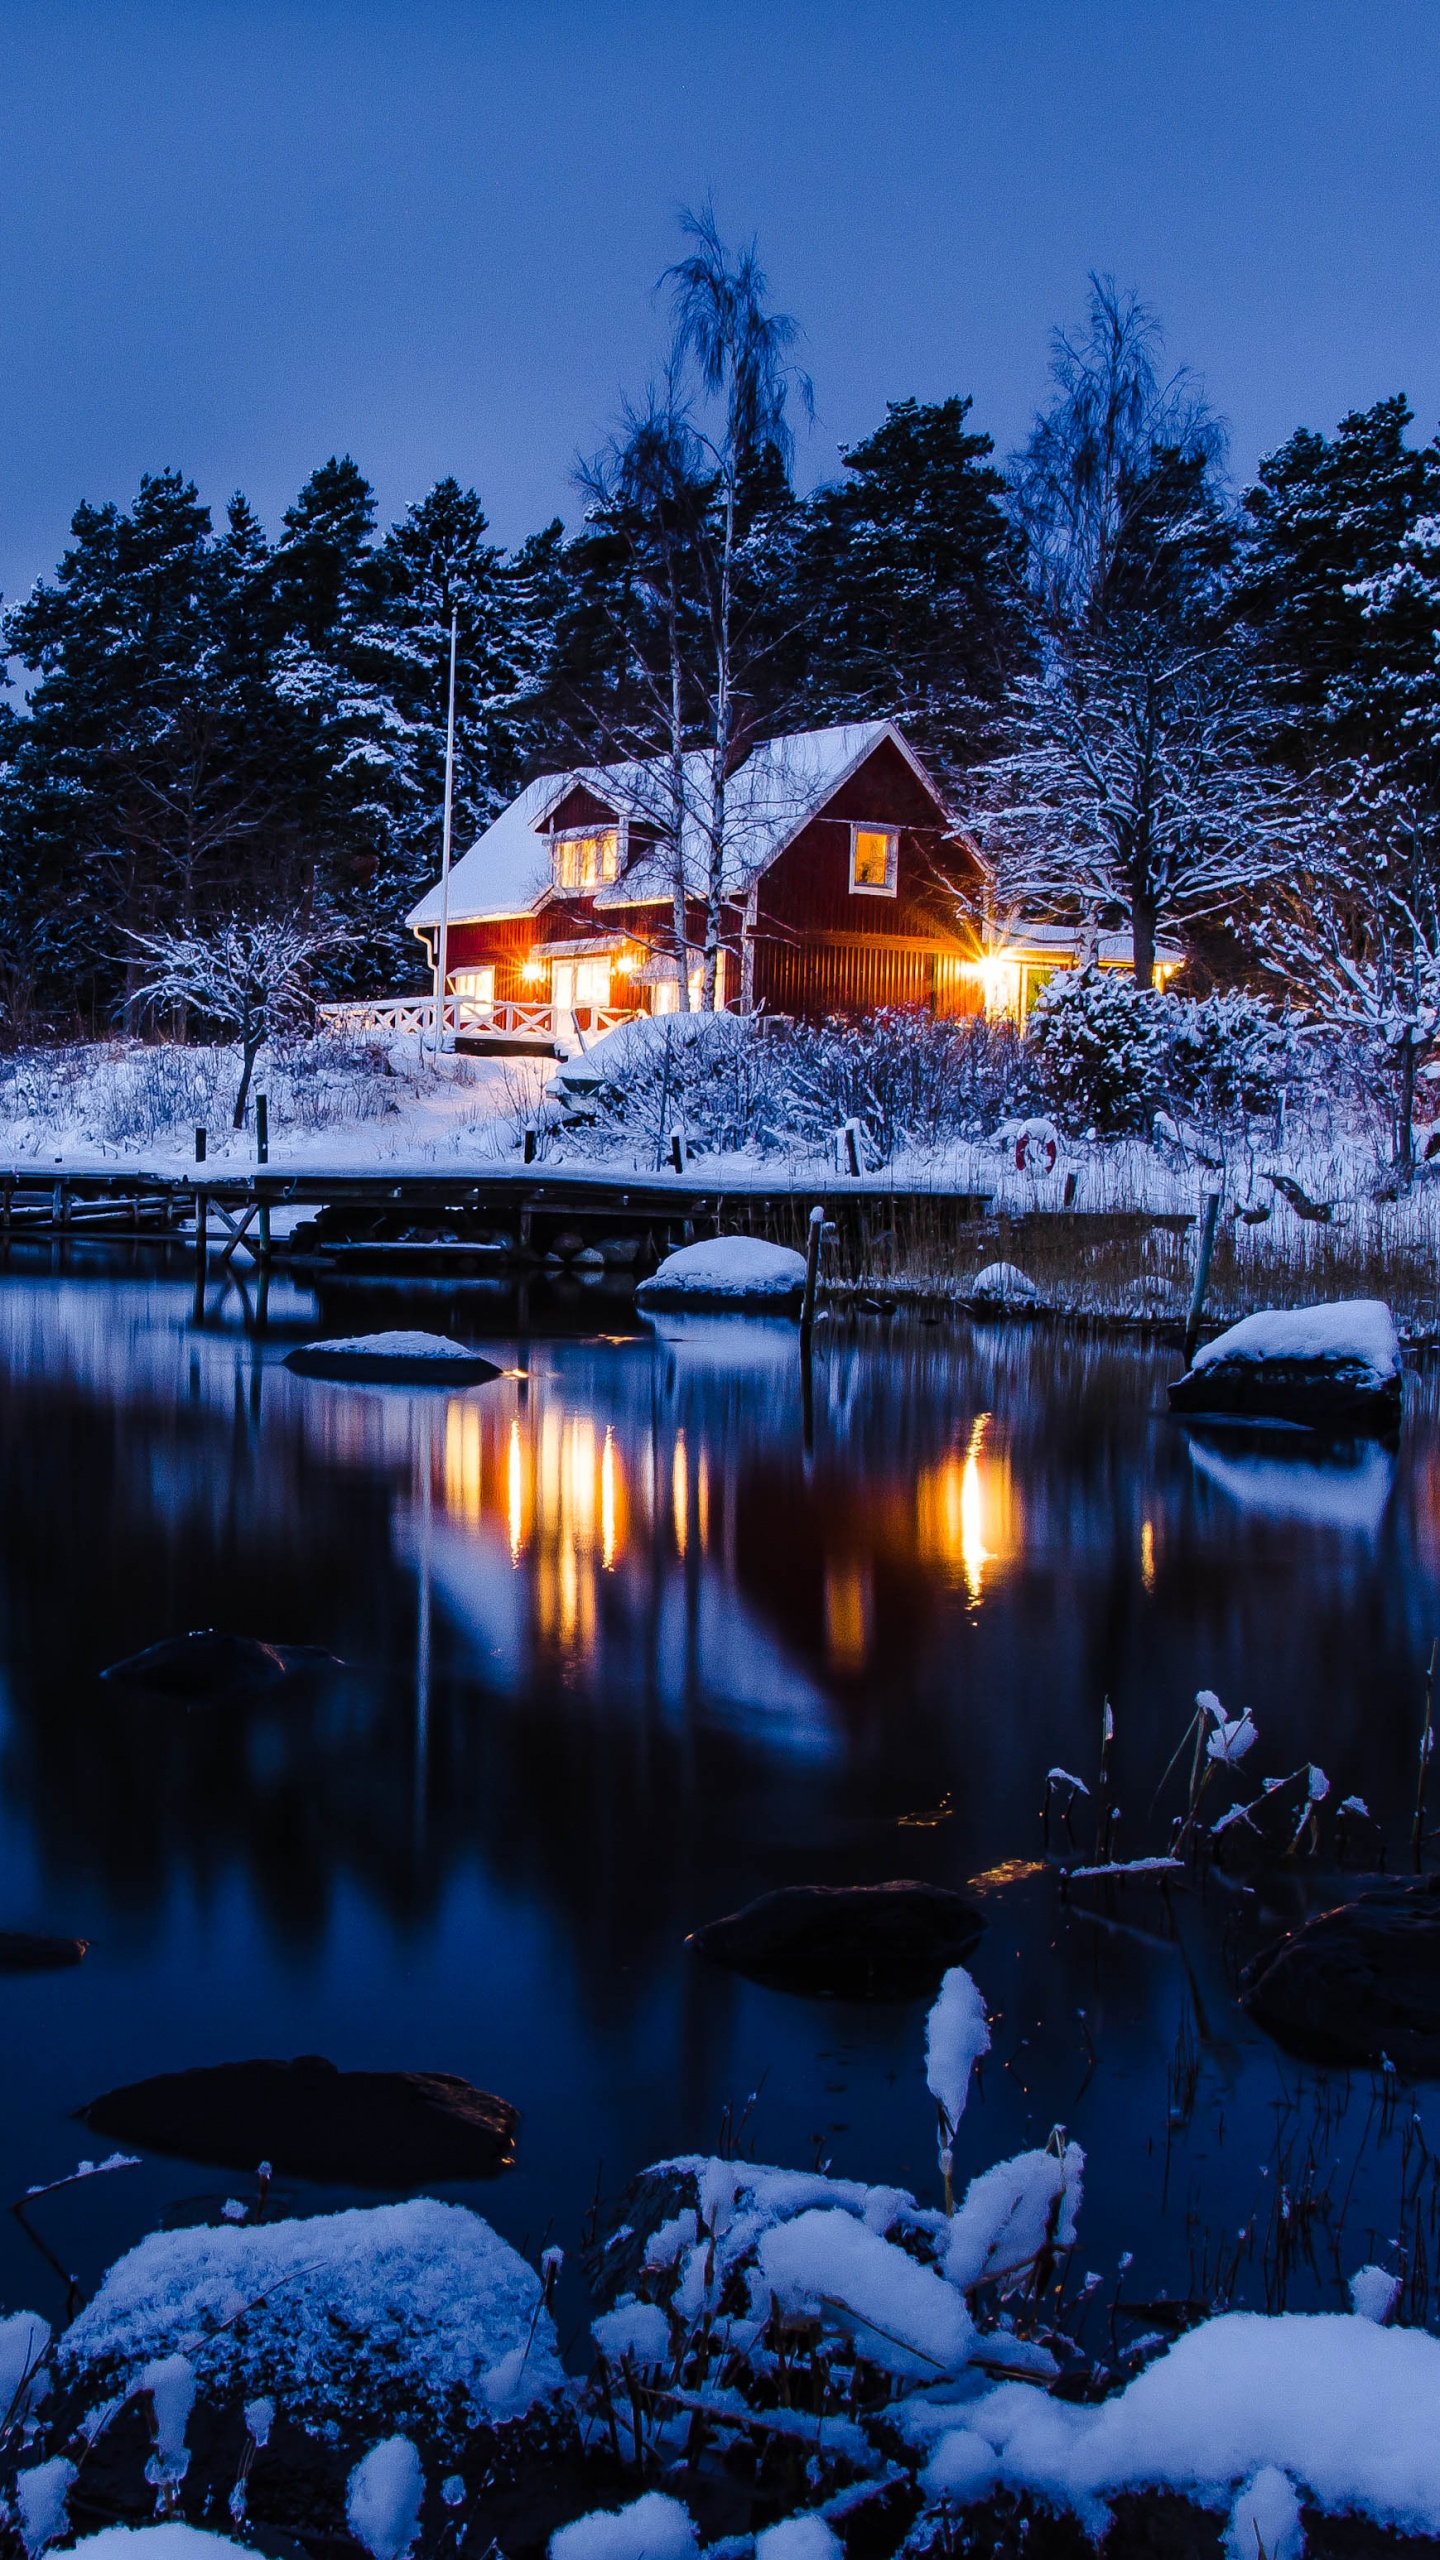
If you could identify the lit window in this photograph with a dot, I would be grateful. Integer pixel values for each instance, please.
(873, 853)
(474, 990)
(582, 862)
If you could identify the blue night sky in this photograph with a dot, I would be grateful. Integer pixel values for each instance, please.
(241, 234)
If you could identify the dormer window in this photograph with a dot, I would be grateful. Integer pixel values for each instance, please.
(584, 861)
(874, 861)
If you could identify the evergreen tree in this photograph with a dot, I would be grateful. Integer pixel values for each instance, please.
(437, 562)
(133, 785)
(910, 574)
(1327, 522)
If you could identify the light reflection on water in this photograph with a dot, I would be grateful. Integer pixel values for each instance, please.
(626, 1646)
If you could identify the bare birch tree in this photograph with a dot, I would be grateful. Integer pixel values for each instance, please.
(250, 978)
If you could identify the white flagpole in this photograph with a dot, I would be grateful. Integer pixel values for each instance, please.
(442, 947)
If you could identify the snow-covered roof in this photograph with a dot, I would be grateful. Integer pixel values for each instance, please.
(779, 788)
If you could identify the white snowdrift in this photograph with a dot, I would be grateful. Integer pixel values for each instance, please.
(420, 2300)
(1356, 1333)
(1348, 2409)
(904, 2318)
(741, 1268)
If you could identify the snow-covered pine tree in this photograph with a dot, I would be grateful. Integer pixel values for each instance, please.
(910, 574)
(135, 788)
(436, 561)
(344, 736)
(1327, 521)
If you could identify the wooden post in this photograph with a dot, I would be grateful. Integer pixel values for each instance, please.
(199, 1146)
(677, 1150)
(262, 1129)
(1209, 1216)
(812, 1275)
(852, 1151)
(529, 1146)
(202, 1245)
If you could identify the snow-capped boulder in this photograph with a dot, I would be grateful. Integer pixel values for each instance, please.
(731, 1272)
(404, 1359)
(1002, 1285)
(417, 2305)
(1334, 1367)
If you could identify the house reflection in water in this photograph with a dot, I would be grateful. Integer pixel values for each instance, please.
(646, 1540)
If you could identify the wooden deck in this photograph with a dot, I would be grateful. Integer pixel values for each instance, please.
(390, 1214)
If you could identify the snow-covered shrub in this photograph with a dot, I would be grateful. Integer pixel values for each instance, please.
(1100, 1047)
(730, 1081)
(1229, 1058)
(908, 1077)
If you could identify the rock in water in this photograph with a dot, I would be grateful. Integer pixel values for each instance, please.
(355, 2128)
(1332, 1368)
(1001, 1285)
(24, 1952)
(405, 1359)
(210, 1664)
(733, 1274)
(1358, 1983)
(845, 1942)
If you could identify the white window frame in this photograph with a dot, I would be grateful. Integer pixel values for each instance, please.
(600, 837)
(869, 888)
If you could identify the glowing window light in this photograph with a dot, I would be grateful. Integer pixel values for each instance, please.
(515, 1494)
(569, 1587)
(702, 1501)
(680, 1493)
(607, 1501)
(974, 1554)
(1147, 1554)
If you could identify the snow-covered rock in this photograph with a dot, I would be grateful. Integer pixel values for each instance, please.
(1333, 1365)
(158, 2542)
(421, 2303)
(734, 1272)
(1003, 1284)
(410, 1359)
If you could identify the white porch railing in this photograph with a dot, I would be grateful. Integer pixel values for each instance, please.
(414, 1016)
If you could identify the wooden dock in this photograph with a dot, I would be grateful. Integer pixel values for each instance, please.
(396, 1215)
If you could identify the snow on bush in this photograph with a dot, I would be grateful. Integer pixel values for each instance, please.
(1265, 2519)
(806, 2537)
(957, 2033)
(733, 1082)
(24, 2382)
(1015, 2215)
(419, 2304)
(1100, 1048)
(654, 2528)
(170, 2382)
(40, 2495)
(903, 2317)
(1374, 2293)
(171, 2541)
(383, 2498)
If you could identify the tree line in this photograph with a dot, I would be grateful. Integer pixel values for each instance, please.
(1163, 703)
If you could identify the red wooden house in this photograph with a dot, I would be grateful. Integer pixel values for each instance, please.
(848, 886)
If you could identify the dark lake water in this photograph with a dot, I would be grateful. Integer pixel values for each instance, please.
(624, 1650)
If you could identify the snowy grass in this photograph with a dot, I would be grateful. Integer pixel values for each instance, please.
(328, 1097)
